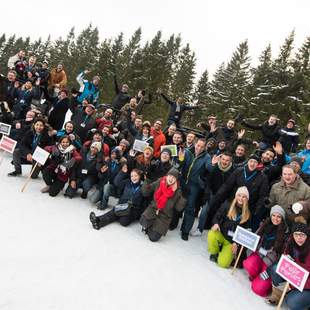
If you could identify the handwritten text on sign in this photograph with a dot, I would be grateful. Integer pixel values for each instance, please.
(246, 238)
(292, 272)
(7, 144)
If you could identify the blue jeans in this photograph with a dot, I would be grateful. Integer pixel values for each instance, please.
(297, 300)
(189, 213)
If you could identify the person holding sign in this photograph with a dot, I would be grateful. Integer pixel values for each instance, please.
(269, 249)
(62, 161)
(298, 249)
(36, 136)
(220, 243)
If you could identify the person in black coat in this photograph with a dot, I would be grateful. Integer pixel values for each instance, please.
(85, 175)
(60, 107)
(83, 121)
(121, 97)
(269, 129)
(7, 88)
(36, 136)
(177, 109)
(289, 137)
(257, 185)
(130, 202)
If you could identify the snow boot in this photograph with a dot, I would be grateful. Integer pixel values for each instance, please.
(275, 296)
(94, 220)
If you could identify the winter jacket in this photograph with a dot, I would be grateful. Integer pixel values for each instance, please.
(62, 164)
(285, 196)
(76, 142)
(6, 91)
(256, 183)
(174, 115)
(159, 140)
(157, 170)
(58, 78)
(161, 218)
(57, 116)
(121, 98)
(31, 140)
(228, 226)
(270, 134)
(79, 118)
(87, 89)
(289, 139)
(273, 170)
(305, 154)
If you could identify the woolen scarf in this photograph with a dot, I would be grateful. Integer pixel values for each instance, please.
(163, 193)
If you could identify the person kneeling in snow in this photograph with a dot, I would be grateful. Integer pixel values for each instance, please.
(220, 243)
(167, 199)
(273, 233)
(130, 205)
(60, 166)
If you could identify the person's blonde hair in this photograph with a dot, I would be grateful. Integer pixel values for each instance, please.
(232, 212)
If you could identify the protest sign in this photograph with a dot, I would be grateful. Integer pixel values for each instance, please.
(5, 129)
(7, 144)
(172, 148)
(292, 272)
(246, 239)
(40, 155)
(139, 145)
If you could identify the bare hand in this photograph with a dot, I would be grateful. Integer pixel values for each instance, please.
(234, 248)
(18, 126)
(256, 144)
(215, 159)
(215, 227)
(241, 133)
(87, 71)
(212, 127)
(29, 157)
(278, 148)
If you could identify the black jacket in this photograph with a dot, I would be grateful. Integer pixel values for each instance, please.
(58, 114)
(121, 98)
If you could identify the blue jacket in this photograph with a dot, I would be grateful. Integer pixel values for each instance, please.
(88, 90)
(306, 165)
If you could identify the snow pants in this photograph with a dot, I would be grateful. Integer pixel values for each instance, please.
(254, 265)
(217, 244)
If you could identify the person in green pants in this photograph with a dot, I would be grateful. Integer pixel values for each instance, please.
(228, 217)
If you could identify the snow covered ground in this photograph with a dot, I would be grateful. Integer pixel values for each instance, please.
(51, 258)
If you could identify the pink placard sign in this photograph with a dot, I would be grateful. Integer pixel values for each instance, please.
(7, 144)
(292, 272)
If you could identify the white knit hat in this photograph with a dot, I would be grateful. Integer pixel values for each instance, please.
(96, 145)
(243, 190)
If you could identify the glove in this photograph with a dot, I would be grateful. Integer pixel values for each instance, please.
(264, 275)
(56, 152)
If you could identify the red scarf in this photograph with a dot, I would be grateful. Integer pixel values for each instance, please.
(163, 193)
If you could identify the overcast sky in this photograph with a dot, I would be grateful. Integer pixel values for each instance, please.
(213, 28)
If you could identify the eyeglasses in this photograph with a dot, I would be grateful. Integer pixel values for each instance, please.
(300, 234)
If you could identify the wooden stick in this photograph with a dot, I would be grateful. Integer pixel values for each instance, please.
(237, 260)
(2, 156)
(283, 295)
(29, 176)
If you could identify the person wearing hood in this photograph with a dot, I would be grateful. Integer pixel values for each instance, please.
(221, 247)
(272, 237)
(130, 205)
(167, 197)
(289, 137)
(297, 249)
(86, 175)
(60, 165)
(269, 129)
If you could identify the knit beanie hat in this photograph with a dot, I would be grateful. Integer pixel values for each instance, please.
(277, 209)
(96, 145)
(125, 142)
(174, 172)
(300, 227)
(243, 190)
(149, 148)
(117, 152)
(255, 157)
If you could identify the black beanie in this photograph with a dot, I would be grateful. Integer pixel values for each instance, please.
(174, 172)
(254, 156)
(300, 227)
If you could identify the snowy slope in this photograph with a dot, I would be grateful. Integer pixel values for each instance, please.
(51, 258)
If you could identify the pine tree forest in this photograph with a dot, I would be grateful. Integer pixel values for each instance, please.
(279, 84)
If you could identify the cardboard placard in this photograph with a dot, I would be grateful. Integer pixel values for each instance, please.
(172, 148)
(139, 145)
(246, 238)
(5, 129)
(292, 272)
(7, 144)
(40, 155)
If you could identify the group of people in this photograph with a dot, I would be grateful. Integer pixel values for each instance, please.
(213, 172)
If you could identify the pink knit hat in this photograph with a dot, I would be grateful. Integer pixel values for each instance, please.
(243, 190)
